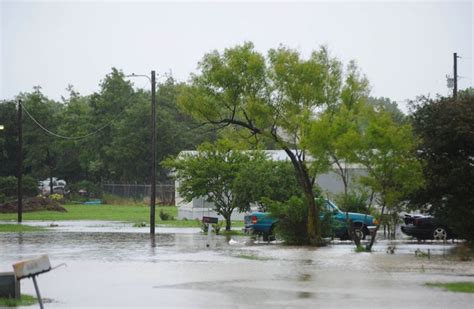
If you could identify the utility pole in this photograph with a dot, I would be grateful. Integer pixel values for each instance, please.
(152, 81)
(20, 163)
(153, 154)
(455, 89)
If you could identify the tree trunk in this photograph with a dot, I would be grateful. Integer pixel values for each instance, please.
(345, 181)
(372, 239)
(343, 173)
(313, 226)
(51, 181)
(228, 222)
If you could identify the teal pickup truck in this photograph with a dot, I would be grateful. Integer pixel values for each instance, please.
(261, 223)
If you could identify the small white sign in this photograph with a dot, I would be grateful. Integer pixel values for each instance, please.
(32, 267)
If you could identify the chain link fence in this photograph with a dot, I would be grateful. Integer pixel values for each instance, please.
(164, 191)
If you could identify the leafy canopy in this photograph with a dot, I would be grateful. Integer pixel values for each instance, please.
(275, 98)
(388, 152)
(446, 129)
(211, 173)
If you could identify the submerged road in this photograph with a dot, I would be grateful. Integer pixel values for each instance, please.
(114, 265)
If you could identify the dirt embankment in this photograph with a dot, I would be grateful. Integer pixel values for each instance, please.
(32, 204)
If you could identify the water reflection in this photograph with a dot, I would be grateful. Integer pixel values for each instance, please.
(152, 241)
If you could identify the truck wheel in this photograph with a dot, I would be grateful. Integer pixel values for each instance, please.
(269, 236)
(360, 231)
(440, 233)
(265, 236)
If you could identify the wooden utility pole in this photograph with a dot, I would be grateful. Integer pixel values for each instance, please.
(455, 77)
(20, 163)
(153, 154)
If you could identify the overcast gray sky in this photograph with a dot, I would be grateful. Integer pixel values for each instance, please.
(404, 48)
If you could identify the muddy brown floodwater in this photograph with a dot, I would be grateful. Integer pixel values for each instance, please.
(112, 265)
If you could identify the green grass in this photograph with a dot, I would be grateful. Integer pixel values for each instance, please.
(19, 228)
(128, 213)
(463, 287)
(25, 300)
(360, 249)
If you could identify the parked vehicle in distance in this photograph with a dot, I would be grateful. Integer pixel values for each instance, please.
(426, 227)
(261, 223)
(59, 186)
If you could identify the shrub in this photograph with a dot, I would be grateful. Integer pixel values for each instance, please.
(353, 202)
(58, 197)
(204, 226)
(139, 224)
(9, 186)
(292, 220)
(165, 216)
(327, 223)
(30, 185)
(217, 227)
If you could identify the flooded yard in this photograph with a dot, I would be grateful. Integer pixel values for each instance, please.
(114, 265)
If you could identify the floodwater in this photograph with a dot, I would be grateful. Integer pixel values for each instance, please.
(113, 265)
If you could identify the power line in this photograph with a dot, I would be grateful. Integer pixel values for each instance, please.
(70, 137)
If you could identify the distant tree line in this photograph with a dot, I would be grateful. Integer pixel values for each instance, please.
(104, 136)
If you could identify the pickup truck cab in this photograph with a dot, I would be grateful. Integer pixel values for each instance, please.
(261, 223)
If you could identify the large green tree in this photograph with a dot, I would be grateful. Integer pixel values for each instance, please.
(232, 178)
(76, 122)
(41, 149)
(116, 95)
(274, 97)
(331, 138)
(212, 173)
(387, 150)
(264, 181)
(382, 103)
(446, 129)
(175, 131)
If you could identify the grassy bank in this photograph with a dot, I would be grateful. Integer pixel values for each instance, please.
(19, 228)
(463, 287)
(131, 213)
(127, 213)
(25, 300)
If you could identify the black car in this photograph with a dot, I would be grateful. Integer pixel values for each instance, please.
(426, 227)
